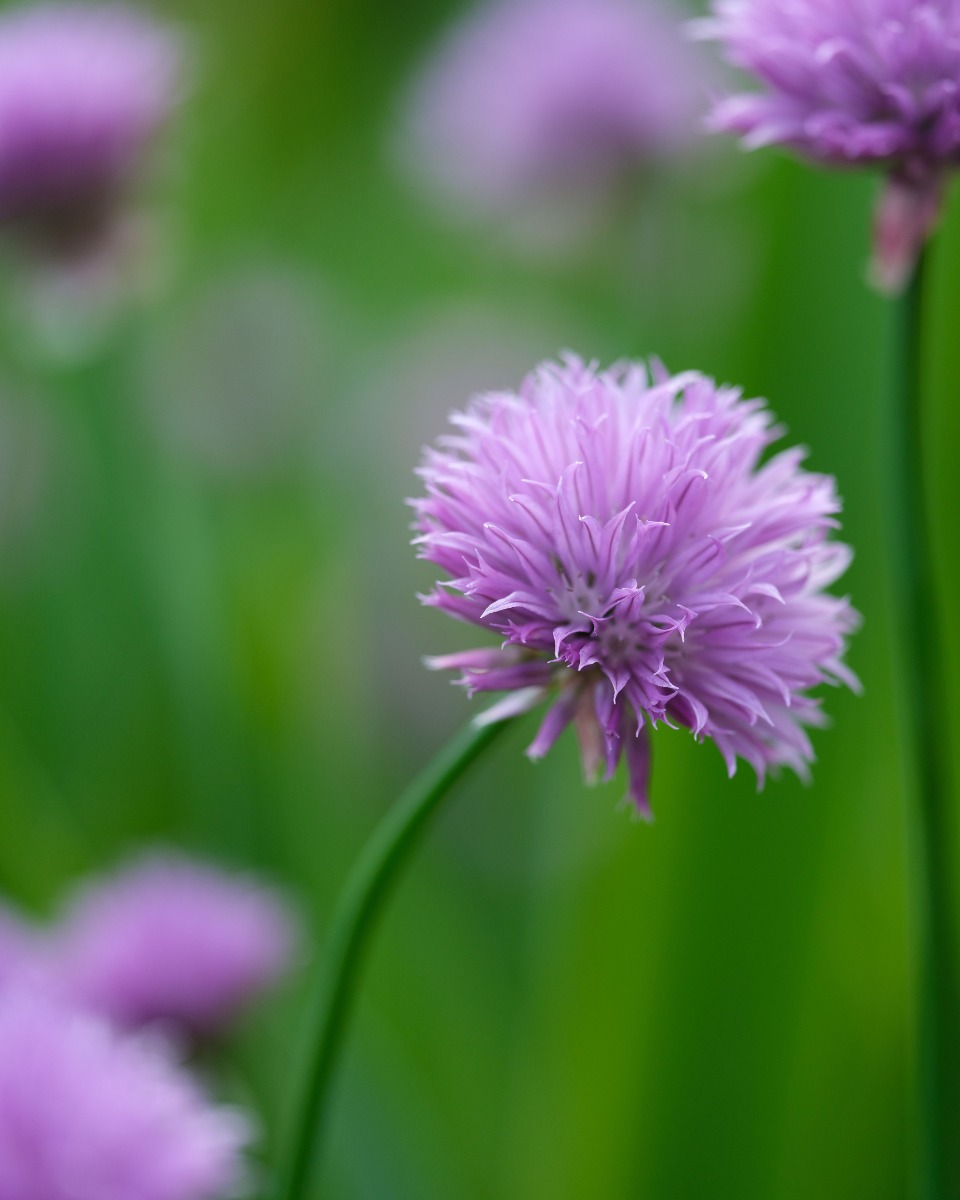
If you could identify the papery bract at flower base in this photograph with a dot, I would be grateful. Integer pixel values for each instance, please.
(641, 564)
(174, 941)
(90, 1114)
(853, 83)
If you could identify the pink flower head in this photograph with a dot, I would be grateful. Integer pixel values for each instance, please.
(527, 98)
(87, 1113)
(84, 88)
(640, 563)
(173, 941)
(850, 83)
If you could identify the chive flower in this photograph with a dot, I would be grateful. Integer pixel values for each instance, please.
(167, 940)
(641, 561)
(84, 90)
(868, 83)
(87, 1113)
(547, 107)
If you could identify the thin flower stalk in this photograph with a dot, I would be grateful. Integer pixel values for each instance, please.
(931, 816)
(358, 908)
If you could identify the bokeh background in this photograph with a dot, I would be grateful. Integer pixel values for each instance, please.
(209, 635)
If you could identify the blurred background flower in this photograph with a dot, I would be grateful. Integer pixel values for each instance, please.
(543, 115)
(87, 1112)
(240, 374)
(85, 89)
(876, 84)
(171, 942)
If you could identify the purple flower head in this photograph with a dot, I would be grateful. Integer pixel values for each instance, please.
(849, 83)
(90, 1114)
(173, 941)
(83, 90)
(640, 563)
(529, 98)
(17, 946)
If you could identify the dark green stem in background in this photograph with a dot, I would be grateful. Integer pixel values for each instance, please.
(931, 801)
(359, 905)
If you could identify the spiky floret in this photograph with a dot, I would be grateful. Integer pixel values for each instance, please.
(640, 563)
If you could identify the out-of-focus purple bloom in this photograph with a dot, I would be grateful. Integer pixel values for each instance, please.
(641, 565)
(83, 91)
(175, 942)
(854, 82)
(230, 385)
(529, 99)
(17, 948)
(87, 1113)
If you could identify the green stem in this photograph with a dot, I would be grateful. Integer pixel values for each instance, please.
(360, 902)
(926, 708)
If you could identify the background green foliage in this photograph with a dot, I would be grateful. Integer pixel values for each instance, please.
(209, 634)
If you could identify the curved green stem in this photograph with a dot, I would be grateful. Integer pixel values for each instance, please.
(932, 817)
(360, 902)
